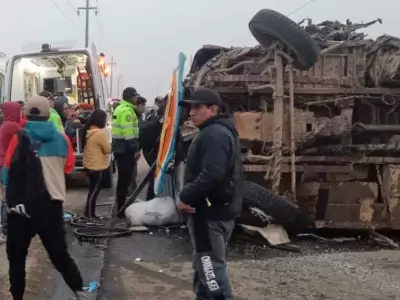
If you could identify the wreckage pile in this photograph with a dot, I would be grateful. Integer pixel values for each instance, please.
(381, 56)
(317, 109)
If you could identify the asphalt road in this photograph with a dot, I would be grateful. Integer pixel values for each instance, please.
(156, 265)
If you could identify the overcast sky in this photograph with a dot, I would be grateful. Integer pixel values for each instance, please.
(145, 37)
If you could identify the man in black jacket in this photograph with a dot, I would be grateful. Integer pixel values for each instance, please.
(149, 137)
(211, 194)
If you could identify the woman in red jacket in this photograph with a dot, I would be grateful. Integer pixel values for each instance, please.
(10, 126)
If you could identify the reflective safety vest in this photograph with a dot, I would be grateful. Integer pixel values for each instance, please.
(125, 122)
(56, 120)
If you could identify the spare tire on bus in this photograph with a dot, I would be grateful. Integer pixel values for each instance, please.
(268, 26)
(284, 212)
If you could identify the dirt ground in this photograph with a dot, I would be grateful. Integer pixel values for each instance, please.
(164, 272)
(321, 272)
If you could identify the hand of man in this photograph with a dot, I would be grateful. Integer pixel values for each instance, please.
(186, 208)
(137, 155)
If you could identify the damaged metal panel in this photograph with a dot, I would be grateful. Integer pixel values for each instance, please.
(332, 126)
(391, 186)
(342, 203)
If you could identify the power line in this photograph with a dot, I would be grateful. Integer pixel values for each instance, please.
(64, 14)
(301, 7)
(71, 5)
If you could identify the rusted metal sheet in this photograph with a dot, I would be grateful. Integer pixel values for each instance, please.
(285, 168)
(248, 125)
(310, 91)
(352, 203)
(306, 79)
(355, 214)
(352, 192)
(346, 159)
(391, 186)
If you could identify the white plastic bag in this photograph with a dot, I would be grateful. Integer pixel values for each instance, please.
(156, 212)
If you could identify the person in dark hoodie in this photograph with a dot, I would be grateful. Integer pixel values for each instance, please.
(62, 109)
(10, 126)
(211, 194)
(33, 174)
(149, 137)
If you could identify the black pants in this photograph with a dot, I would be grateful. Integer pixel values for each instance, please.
(51, 230)
(150, 189)
(126, 164)
(209, 239)
(95, 178)
(133, 185)
(151, 157)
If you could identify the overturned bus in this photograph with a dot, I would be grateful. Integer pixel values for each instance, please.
(317, 108)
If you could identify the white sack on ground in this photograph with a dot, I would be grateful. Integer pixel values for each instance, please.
(156, 212)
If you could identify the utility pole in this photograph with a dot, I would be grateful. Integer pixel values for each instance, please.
(118, 85)
(87, 10)
(112, 64)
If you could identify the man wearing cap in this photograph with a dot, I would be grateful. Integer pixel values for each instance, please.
(125, 143)
(211, 194)
(33, 173)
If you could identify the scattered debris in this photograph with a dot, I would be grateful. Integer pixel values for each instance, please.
(139, 229)
(381, 240)
(68, 217)
(337, 240)
(93, 286)
(274, 234)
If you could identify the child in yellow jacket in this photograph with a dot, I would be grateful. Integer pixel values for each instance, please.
(96, 149)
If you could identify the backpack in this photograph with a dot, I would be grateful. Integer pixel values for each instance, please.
(26, 191)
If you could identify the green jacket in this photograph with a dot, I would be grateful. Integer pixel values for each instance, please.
(56, 120)
(125, 129)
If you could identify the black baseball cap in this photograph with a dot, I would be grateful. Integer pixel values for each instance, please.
(203, 95)
(129, 92)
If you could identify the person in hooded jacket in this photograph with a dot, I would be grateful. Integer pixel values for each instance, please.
(149, 138)
(211, 194)
(33, 175)
(62, 109)
(96, 151)
(10, 126)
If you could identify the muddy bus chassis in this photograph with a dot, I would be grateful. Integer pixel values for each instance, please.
(321, 135)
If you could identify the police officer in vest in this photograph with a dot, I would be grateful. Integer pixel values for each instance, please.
(125, 142)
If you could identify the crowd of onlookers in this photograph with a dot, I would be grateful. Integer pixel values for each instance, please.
(37, 143)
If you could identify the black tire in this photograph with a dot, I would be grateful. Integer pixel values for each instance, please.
(107, 180)
(268, 26)
(283, 211)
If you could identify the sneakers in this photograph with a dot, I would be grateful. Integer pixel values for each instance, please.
(80, 295)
